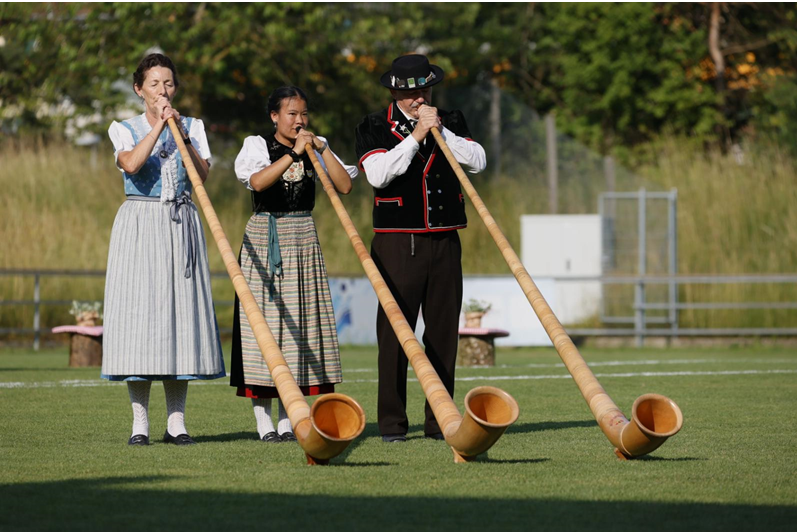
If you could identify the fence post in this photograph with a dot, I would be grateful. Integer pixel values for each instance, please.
(553, 163)
(639, 315)
(672, 229)
(36, 316)
(609, 173)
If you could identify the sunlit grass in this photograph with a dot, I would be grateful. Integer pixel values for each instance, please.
(66, 465)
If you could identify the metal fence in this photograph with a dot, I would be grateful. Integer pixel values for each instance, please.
(671, 306)
(640, 238)
(642, 326)
(37, 302)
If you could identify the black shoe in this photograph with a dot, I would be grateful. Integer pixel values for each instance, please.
(182, 439)
(138, 439)
(394, 438)
(288, 436)
(435, 436)
(271, 437)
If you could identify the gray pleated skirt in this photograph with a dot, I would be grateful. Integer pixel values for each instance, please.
(158, 324)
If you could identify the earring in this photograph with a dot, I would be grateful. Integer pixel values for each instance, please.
(275, 125)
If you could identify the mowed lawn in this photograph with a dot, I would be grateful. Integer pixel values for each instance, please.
(65, 465)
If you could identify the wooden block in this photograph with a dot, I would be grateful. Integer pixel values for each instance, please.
(85, 351)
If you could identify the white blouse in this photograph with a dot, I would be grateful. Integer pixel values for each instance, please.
(122, 139)
(254, 157)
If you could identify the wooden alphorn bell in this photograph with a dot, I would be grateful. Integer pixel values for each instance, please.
(488, 410)
(654, 417)
(323, 430)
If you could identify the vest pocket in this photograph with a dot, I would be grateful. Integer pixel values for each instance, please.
(388, 202)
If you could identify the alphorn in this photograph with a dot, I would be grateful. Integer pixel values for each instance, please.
(488, 410)
(654, 417)
(323, 430)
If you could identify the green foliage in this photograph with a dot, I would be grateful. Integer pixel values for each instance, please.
(616, 74)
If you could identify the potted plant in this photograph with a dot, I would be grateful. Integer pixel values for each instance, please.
(474, 310)
(86, 313)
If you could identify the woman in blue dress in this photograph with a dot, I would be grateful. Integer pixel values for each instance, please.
(160, 323)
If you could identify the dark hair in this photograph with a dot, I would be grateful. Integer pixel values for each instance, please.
(287, 91)
(154, 60)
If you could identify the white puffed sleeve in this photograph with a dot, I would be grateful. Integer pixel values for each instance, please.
(351, 170)
(252, 158)
(198, 138)
(122, 140)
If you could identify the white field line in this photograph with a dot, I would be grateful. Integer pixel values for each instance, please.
(611, 363)
(96, 383)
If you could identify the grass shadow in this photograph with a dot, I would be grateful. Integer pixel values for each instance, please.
(153, 502)
(514, 460)
(550, 425)
(230, 436)
(648, 458)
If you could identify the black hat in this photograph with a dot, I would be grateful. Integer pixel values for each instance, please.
(411, 72)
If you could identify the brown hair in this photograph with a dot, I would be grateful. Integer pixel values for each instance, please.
(150, 61)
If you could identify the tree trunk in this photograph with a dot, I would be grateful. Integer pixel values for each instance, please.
(719, 65)
(714, 47)
(495, 125)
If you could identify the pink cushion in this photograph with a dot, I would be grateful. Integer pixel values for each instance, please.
(482, 331)
(89, 331)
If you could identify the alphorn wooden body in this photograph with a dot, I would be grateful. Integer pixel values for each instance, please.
(488, 410)
(323, 431)
(654, 418)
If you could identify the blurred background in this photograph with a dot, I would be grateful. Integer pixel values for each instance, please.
(583, 109)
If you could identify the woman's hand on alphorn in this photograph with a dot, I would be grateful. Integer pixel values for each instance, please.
(303, 138)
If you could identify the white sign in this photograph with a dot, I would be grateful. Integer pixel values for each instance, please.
(356, 306)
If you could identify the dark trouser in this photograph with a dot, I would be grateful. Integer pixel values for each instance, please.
(425, 276)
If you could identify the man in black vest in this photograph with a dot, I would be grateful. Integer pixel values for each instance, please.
(418, 208)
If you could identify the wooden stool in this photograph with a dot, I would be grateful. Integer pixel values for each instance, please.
(477, 346)
(85, 346)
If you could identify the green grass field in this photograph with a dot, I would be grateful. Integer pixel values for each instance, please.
(65, 465)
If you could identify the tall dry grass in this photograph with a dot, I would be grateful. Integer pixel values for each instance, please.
(733, 218)
(736, 215)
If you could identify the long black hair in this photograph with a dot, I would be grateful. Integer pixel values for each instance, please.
(151, 61)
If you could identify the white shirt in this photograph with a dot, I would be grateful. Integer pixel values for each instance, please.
(122, 139)
(253, 157)
(382, 168)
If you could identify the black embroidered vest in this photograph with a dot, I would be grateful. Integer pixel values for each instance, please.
(292, 192)
(427, 197)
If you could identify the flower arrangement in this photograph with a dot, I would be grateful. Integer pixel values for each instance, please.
(86, 313)
(474, 305)
(474, 309)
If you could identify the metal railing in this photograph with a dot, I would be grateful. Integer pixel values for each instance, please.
(641, 320)
(37, 302)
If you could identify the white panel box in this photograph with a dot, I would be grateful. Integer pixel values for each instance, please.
(565, 246)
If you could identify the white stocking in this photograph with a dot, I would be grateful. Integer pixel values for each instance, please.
(139, 399)
(262, 409)
(284, 423)
(175, 406)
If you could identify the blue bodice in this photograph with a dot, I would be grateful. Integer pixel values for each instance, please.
(164, 161)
